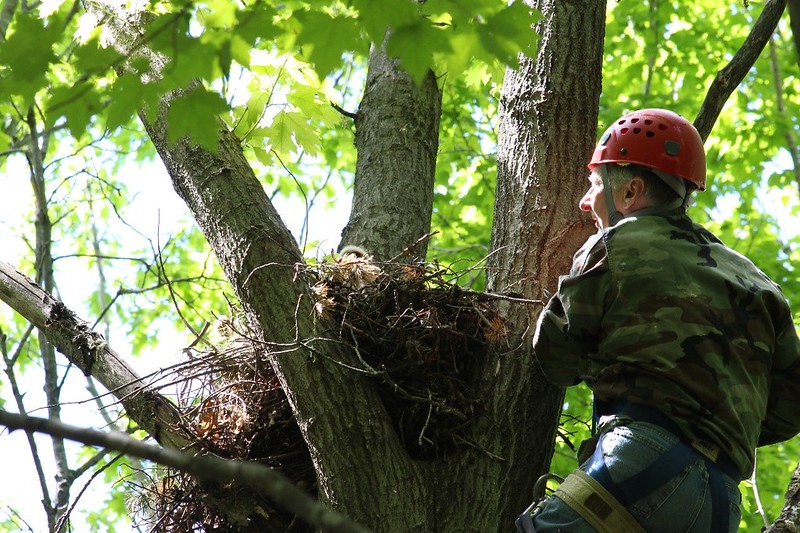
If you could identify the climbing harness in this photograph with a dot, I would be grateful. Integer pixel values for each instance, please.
(603, 502)
(669, 465)
(589, 499)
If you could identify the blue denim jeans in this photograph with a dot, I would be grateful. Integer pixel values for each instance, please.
(683, 504)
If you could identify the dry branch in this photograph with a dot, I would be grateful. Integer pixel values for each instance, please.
(261, 479)
(87, 350)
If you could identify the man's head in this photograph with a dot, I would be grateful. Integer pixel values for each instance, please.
(644, 150)
(633, 188)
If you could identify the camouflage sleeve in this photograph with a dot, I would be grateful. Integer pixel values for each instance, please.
(782, 420)
(568, 328)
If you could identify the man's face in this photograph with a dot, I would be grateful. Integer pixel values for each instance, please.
(594, 201)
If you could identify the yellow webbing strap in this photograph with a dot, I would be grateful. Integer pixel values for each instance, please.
(596, 505)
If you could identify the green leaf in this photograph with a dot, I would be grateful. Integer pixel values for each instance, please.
(77, 103)
(324, 39)
(218, 14)
(377, 16)
(28, 53)
(256, 23)
(240, 50)
(93, 59)
(289, 132)
(125, 99)
(415, 45)
(195, 115)
(510, 32)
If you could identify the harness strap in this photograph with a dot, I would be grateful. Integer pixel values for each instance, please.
(596, 505)
(669, 465)
(719, 499)
(651, 415)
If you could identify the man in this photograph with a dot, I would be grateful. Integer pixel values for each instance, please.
(690, 350)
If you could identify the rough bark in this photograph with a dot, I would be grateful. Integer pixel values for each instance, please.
(548, 123)
(338, 410)
(332, 403)
(789, 519)
(397, 133)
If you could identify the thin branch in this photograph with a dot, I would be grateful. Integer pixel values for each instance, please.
(89, 352)
(18, 398)
(732, 75)
(14, 515)
(343, 111)
(91, 462)
(791, 142)
(264, 480)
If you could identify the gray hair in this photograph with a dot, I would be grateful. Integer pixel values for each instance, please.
(660, 188)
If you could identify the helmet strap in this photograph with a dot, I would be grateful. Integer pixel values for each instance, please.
(675, 183)
(614, 216)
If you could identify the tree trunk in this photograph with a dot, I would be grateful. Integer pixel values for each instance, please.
(397, 138)
(548, 124)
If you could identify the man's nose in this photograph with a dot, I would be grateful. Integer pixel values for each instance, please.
(584, 203)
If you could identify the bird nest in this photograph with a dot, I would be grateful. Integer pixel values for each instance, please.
(421, 337)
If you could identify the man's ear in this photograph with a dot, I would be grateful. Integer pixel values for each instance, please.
(633, 191)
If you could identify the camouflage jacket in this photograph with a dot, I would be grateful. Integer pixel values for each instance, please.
(656, 311)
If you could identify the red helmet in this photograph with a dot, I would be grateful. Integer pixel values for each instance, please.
(657, 139)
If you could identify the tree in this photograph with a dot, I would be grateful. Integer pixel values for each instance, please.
(548, 115)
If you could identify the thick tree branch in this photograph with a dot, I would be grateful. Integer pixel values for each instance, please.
(263, 480)
(547, 127)
(732, 75)
(88, 351)
(397, 139)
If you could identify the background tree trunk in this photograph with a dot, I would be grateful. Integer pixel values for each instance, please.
(397, 137)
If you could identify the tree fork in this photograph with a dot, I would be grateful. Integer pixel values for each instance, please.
(260, 259)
